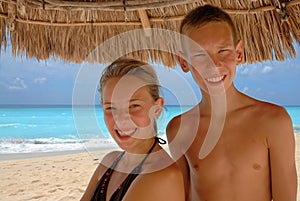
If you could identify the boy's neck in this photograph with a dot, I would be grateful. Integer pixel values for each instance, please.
(225, 103)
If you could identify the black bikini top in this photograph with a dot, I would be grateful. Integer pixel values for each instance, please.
(101, 189)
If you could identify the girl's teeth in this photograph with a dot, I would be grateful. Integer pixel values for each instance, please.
(125, 133)
(215, 79)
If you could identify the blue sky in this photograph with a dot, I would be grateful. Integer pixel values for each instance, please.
(27, 81)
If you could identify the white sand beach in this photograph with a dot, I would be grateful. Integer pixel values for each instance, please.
(59, 177)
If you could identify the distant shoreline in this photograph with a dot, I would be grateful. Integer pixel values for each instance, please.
(97, 105)
(31, 155)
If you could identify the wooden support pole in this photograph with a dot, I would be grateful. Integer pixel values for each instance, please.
(11, 13)
(145, 22)
(21, 9)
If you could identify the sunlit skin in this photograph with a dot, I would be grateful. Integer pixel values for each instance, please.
(254, 155)
(212, 55)
(129, 113)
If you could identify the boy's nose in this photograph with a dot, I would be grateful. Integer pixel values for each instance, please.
(215, 61)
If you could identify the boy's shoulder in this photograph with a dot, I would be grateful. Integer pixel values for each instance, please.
(268, 113)
(266, 108)
(187, 122)
(191, 113)
(187, 116)
(274, 121)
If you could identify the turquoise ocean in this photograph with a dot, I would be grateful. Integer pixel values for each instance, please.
(27, 129)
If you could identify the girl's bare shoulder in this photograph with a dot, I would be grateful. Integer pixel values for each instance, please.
(164, 184)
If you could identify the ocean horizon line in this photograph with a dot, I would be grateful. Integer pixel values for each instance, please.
(96, 105)
(64, 105)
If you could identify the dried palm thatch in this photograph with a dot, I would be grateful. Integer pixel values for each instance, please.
(70, 30)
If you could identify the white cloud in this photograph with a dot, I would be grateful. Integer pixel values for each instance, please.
(244, 71)
(254, 69)
(18, 84)
(266, 69)
(39, 80)
(247, 70)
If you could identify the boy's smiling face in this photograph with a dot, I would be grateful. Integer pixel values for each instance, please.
(212, 56)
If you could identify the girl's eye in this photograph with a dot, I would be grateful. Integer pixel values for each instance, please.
(109, 108)
(199, 55)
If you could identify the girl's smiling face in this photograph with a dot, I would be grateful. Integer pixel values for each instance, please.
(130, 112)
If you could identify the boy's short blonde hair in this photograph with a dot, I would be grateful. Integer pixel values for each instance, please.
(203, 15)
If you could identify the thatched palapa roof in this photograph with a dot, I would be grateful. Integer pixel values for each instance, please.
(70, 30)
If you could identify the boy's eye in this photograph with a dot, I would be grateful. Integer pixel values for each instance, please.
(223, 50)
(134, 106)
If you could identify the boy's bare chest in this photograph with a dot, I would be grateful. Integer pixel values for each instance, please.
(240, 150)
(239, 158)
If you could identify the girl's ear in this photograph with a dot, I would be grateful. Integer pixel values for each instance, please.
(239, 52)
(158, 107)
(182, 62)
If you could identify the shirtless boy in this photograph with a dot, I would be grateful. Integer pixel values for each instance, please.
(253, 158)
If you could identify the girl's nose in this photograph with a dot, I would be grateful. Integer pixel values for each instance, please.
(121, 117)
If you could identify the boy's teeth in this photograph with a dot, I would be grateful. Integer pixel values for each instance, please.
(215, 79)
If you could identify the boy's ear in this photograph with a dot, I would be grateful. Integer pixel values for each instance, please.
(239, 52)
(182, 62)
